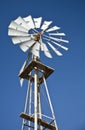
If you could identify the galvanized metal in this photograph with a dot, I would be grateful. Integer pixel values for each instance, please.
(30, 33)
(37, 80)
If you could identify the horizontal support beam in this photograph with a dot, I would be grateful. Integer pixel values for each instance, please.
(40, 121)
(46, 71)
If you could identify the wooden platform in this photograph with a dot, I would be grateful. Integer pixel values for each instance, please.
(40, 121)
(46, 71)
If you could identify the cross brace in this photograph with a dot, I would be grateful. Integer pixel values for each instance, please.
(40, 121)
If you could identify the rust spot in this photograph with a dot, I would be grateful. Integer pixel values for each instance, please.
(37, 37)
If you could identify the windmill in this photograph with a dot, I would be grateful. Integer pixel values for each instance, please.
(34, 35)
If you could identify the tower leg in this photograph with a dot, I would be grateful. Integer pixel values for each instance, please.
(35, 98)
(39, 107)
(26, 103)
(51, 107)
(30, 101)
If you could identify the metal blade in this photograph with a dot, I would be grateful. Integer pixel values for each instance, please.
(12, 32)
(46, 38)
(17, 40)
(29, 22)
(35, 49)
(46, 51)
(45, 25)
(63, 47)
(57, 34)
(37, 22)
(22, 22)
(26, 45)
(15, 26)
(53, 29)
(54, 49)
(59, 40)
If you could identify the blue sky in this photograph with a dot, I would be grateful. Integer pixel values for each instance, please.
(66, 84)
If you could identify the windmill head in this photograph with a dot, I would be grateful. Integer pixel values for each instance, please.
(34, 35)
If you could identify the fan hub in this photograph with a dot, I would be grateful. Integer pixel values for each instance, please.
(37, 37)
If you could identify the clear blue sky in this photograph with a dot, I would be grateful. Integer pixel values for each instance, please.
(66, 84)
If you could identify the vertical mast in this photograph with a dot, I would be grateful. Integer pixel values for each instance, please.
(35, 96)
